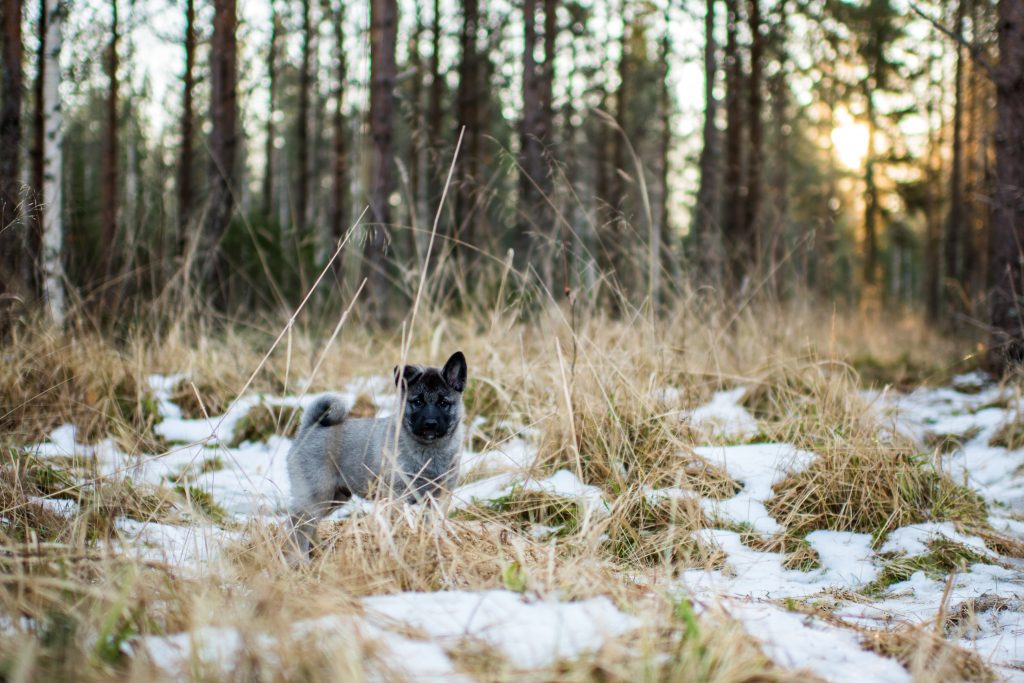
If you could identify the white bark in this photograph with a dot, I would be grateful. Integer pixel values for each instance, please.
(53, 127)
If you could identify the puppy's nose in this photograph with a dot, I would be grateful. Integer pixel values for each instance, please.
(430, 423)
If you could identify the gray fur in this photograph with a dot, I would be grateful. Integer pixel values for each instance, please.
(335, 457)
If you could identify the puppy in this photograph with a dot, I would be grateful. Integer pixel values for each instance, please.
(413, 455)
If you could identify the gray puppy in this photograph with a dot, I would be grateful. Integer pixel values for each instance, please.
(335, 457)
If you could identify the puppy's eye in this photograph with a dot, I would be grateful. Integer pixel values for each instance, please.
(417, 401)
(444, 403)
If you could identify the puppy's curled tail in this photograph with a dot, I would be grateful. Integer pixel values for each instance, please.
(326, 411)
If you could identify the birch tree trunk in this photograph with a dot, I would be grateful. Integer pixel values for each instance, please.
(52, 217)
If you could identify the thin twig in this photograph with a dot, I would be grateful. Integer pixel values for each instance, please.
(974, 49)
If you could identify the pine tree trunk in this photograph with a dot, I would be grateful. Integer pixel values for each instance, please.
(955, 229)
(737, 248)
(531, 160)
(12, 237)
(870, 265)
(52, 205)
(752, 233)
(467, 218)
(417, 131)
(933, 222)
(110, 150)
(1007, 299)
(223, 142)
(270, 152)
(383, 73)
(435, 124)
(778, 225)
(185, 191)
(659, 224)
(339, 205)
(705, 219)
(302, 124)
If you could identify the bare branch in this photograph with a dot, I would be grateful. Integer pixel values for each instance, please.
(974, 49)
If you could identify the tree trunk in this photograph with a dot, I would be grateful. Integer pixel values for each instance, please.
(752, 233)
(185, 198)
(302, 124)
(383, 73)
(12, 238)
(110, 150)
(223, 141)
(738, 249)
(870, 266)
(435, 123)
(417, 125)
(35, 225)
(1007, 341)
(467, 215)
(531, 153)
(52, 205)
(706, 241)
(659, 226)
(270, 151)
(339, 205)
(933, 222)
(777, 227)
(955, 229)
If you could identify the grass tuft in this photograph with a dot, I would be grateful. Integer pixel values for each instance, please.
(263, 421)
(943, 558)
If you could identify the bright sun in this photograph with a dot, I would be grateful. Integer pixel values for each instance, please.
(850, 140)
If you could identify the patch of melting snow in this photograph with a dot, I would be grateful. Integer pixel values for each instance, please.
(757, 467)
(724, 417)
(187, 546)
(530, 634)
(253, 482)
(512, 455)
(797, 641)
(845, 559)
(914, 539)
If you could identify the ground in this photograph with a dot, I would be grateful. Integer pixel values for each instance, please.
(780, 526)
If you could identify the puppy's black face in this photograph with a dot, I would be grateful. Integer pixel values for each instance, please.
(433, 398)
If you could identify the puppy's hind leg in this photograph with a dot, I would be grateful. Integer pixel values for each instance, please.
(305, 518)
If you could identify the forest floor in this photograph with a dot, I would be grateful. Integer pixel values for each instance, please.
(631, 506)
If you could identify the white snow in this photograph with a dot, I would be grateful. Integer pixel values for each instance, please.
(252, 482)
(530, 633)
(724, 417)
(800, 642)
(914, 539)
(757, 467)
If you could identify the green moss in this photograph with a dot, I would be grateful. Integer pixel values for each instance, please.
(191, 471)
(263, 421)
(202, 502)
(943, 557)
(1010, 435)
(948, 443)
(523, 508)
(903, 371)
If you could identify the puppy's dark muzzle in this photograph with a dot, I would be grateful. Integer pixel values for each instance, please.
(429, 430)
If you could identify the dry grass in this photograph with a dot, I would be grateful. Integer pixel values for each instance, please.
(587, 386)
(929, 657)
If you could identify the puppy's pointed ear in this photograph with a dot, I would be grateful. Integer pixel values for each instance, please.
(454, 372)
(407, 375)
